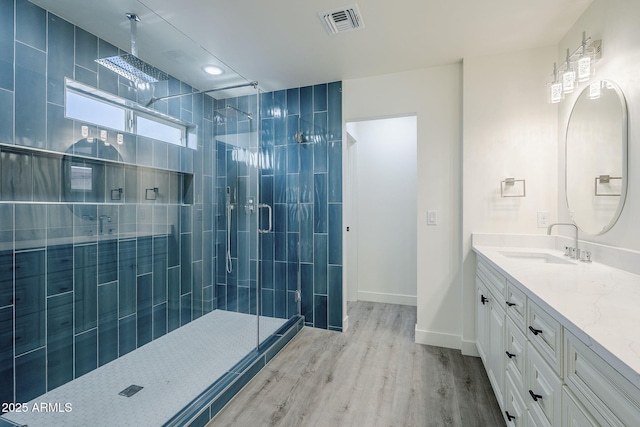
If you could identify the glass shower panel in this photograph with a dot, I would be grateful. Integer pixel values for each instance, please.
(279, 216)
(254, 272)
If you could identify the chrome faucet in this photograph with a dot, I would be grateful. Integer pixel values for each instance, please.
(576, 251)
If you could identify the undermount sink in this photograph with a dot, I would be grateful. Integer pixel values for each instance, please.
(537, 257)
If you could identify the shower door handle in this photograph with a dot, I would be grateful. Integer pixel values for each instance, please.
(270, 212)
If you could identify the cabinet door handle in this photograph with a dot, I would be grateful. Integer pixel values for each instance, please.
(510, 355)
(535, 331)
(509, 416)
(510, 304)
(483, 299)
(534, 396)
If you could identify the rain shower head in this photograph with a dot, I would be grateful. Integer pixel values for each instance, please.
(129, 65)
(133, 68)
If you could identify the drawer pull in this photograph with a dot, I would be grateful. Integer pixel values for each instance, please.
(510, 304)
(535, 331)
(510, 355)
(509, 416)
(534, 396)
(483, 299)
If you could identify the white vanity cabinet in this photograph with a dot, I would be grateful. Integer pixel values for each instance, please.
(541, 373)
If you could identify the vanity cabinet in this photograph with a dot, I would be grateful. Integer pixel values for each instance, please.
(542, 374)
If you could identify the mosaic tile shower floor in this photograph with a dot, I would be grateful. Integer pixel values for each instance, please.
(173, 370)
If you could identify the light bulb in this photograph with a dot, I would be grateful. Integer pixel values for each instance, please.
(584, 68)
(556, 93)
(212, 70)
(569, 81)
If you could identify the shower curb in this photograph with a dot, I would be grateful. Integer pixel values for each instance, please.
(204, 407)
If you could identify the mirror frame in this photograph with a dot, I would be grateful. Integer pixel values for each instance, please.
(624, 147)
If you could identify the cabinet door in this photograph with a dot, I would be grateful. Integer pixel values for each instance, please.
(573, 413)
(482, 316)
(543, 388)
(496, 350)
(515, 411)
(598, 384)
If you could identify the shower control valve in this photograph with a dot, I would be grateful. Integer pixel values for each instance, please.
(250, 206)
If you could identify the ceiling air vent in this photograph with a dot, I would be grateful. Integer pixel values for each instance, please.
(341, 20)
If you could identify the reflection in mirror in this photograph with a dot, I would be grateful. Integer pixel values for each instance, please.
(596, 157)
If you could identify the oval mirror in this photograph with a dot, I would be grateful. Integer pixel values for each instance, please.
(596, 157)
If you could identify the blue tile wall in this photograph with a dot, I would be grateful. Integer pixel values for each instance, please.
(303, 184)
(90, 282)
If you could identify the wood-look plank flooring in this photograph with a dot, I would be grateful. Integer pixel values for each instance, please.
(372, 375)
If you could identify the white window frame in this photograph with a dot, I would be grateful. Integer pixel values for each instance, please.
(132, 111)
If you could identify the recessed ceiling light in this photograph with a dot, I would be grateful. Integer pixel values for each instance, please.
(212, 69)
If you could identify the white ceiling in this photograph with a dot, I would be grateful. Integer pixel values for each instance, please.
(282, 43)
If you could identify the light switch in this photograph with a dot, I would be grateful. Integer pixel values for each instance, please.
(432, 217)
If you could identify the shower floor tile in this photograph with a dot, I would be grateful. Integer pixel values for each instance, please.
(173, 370)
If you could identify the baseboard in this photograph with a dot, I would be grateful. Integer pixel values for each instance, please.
(469, 348)
(387, 298)
(345, 323)
(437, 339)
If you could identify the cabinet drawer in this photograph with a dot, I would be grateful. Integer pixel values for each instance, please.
(588, 375)
(516, 344)
(515, 303)
(515, 411)
(545, 333)
(574, 414)
(543, 388)
(494, 280)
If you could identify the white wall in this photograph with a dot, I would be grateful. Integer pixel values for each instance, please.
(434, 95)
(510, 131)
(615, 22)
(385, 210)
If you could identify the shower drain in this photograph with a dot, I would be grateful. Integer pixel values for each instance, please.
(131, 390)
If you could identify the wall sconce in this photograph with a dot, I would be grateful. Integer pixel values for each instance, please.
(578, 67)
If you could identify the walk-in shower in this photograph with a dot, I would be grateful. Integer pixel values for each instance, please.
(132, 291)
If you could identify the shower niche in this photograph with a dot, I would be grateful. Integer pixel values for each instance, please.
(29, 175)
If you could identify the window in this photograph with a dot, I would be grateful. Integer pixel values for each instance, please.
(152, 128)
(90, 105)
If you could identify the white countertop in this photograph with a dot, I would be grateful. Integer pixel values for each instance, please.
(597, 303)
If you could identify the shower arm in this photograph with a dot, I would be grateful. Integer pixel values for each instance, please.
(153, 100)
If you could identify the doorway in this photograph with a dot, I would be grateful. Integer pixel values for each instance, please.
(381, 216)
